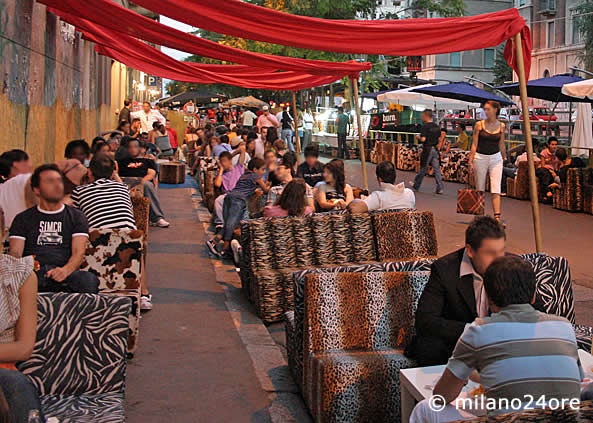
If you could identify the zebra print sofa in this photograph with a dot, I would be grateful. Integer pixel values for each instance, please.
(554, 295)
(79, 360)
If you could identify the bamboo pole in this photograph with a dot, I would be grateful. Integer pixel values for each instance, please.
(528, 145)
(297, 141)
(365, 181)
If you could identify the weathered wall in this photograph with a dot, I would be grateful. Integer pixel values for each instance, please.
(55, 88)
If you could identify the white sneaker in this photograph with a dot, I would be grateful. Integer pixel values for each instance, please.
(161, 223)
(146, 302)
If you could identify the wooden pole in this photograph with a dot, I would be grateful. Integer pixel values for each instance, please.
(365, 181)
(296, 127)
(529, 145)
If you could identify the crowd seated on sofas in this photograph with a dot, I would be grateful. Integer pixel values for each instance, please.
(47, 216)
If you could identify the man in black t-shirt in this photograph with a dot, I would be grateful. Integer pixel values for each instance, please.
(311, 170)
(429, 136)
(137, 167)
(55, 234)
(220, 116)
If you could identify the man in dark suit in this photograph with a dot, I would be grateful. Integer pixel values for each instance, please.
(454, 294)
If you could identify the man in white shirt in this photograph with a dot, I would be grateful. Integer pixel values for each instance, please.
(389, 196)
(248, 118)
(148, 116)
(16, 194)
(308, 122)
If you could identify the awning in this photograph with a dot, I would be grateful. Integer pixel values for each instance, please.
(462, 91)
(407, 97)
(579, 89)
(546, 88)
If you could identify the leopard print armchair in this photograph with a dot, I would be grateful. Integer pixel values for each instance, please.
(356, 328)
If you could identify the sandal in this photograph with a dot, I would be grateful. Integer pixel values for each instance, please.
(497, 216)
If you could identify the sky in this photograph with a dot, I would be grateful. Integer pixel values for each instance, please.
(179, 55)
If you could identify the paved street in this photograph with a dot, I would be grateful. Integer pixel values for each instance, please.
(212, 358)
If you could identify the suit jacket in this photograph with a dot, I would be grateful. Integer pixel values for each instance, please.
(448, 302)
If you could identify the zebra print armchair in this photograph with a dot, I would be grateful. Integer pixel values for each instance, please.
(79, 360)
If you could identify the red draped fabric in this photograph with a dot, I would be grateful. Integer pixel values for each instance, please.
(405, 37)
(117, 18)
(148, 59)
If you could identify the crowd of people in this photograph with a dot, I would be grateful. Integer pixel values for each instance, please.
(476, 314)
(259, 159)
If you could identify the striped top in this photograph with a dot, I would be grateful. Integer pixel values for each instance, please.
(106, 204)
(520, 351)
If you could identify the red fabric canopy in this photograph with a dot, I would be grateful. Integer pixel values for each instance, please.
(405, 37)
(146, 58)
(111, 16)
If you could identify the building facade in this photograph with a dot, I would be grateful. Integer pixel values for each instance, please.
(55, 87)
(557, 44)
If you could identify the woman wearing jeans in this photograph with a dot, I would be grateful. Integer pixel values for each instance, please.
(488, 153)
(18, 328)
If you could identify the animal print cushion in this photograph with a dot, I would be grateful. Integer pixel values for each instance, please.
(81, 344)
(346, 384)
(114, 256)
(407, 157)
(401, 235)
(102, 408)
(570, 196)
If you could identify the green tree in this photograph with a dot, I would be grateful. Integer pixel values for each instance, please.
(584, 24)
(326, 9)
(502, 71)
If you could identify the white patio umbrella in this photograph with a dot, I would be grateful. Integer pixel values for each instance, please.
(583, 130)
(407, 98)
(579, 89)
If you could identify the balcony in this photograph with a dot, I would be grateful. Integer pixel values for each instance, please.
(547, 7)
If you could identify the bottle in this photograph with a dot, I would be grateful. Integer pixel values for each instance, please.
(34, 416)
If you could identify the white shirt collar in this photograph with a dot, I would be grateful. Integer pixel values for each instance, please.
(61, 209)
(467, 268)
(399, 188)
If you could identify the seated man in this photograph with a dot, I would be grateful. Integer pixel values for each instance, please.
(462, 141)
(79, 150)
(548, 155)
(105, 202)
(454, 294)
(235, 205)
(311, 170)
(283, 173)
(134, 166)
(55, 234)
(227, 177)
(389, 196)
(519, 352)
(16, 194)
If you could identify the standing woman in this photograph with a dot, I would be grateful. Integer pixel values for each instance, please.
(488, 153)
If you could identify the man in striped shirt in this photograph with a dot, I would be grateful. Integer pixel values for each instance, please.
(525, 358)
(105, 202)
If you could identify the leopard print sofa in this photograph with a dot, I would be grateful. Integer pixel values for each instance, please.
(274, 248)
(115, 256)
(554, 295)
(576, 194)
(356, 327)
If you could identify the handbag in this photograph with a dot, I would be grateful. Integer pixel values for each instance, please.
(470, 201)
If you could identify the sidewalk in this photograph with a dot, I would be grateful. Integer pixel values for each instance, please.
(191, 364)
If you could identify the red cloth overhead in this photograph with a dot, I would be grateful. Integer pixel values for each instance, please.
(146, 58)
(405, 37)
(111, 16)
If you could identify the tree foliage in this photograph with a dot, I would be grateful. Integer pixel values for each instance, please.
(326, 9)
(584, 24)
(502, 71)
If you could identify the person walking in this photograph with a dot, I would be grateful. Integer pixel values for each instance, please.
(287, 126)
(429, 136)
(342, 125)
(488, 153)
(308, 121)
